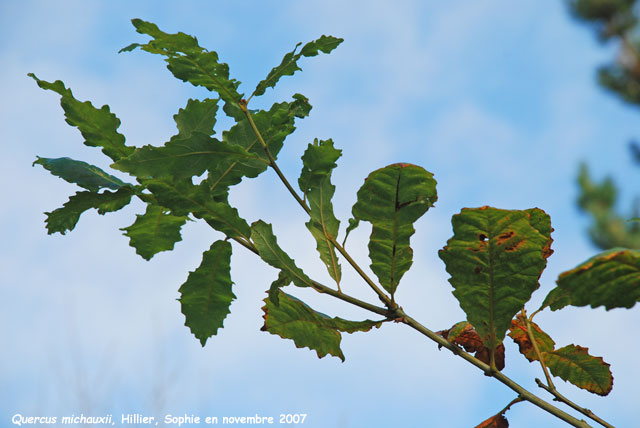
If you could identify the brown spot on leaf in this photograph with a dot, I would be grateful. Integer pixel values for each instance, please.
(505, 236)
(482, 237)
(478, 269)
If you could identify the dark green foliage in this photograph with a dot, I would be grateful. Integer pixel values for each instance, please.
(268, 248)
(66, 218)
(392, 199)
(495, 256)
(319, 160)
(154, 231)
(206, 295)
(97, 126)
(188, 61)
(292, 319)
(610, 279)
(289, 64)
(495, 259)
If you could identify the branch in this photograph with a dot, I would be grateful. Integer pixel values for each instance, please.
(559, 397)
(272, 162)
(522, 392)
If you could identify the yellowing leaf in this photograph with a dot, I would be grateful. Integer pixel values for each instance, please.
(574, 364)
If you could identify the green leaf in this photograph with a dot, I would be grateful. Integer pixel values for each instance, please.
(282, 281)
(183, 198)
(206, 295)
(197, 116)
(265, 241)
(293, 319)
(495, 259)
(289, 64)
(610, 279)
(392, 199)
(181, 157)
(574, 364)
(319, 160)
(66, 218)
(97, 126)
(154, 231)
(274, 125)
(519, 333)
(353, 223)
(557, 298)
(188, 61)
(81, 173)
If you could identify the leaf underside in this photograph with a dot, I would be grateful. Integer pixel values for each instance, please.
(265, 241)
(85, 175)
(154, 231)
(495, 259)
(206, 295)
(293, 319)
(319, 160)
(392, 199)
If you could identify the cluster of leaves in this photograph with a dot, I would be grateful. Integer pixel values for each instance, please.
(613, 20)
(495, 257)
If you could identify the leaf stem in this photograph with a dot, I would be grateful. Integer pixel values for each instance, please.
(516, 400)
(272, 161)
(522, 392)
(550, 387)
(321, 288)
(536, 349)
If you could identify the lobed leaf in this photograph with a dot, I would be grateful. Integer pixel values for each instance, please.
(197, 116)
(265, 241)
(574, 364)
(181, 157)
(66, 218)
(463, 334)
(274, 125)
(319, 160)
(289, 64)
(183, 198)
(495, 259)
(293, 319)
(85, 175)
(497, 421)
(610, 279)
(188, 61)
(392, 199)
(97, 126)
(154, 231)
(519, 333)
(206, 295)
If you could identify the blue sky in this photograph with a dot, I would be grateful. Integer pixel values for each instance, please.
(497, 99)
